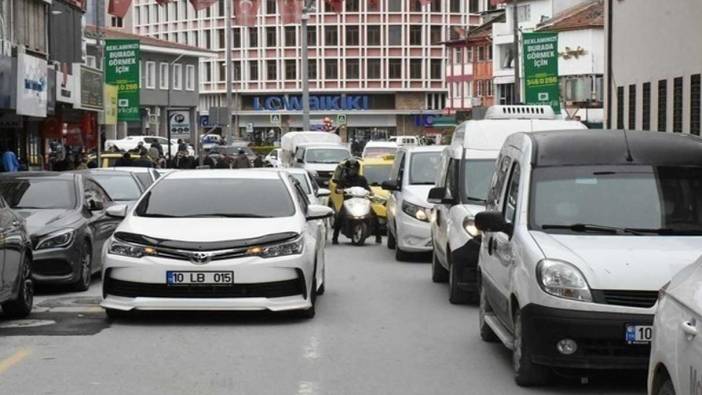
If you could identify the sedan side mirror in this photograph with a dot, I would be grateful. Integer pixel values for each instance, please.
(316, 211)
(95, 205)
(117, 211)
(438, 196)
(323, 192)
(493, 221)
(390, 185)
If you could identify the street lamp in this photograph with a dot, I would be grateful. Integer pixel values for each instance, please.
(168, 105)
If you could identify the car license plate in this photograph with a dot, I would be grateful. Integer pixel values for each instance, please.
(199, 278)
(639, 334)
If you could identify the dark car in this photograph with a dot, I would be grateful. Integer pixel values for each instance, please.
(121, 186)
(16, 285)
(66, 221)
(232, 151)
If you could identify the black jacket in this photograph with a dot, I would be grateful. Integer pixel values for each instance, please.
(355, 181)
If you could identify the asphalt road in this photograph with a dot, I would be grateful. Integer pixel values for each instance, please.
(382, 327)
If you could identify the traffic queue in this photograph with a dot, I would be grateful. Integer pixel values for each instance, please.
(580, 247)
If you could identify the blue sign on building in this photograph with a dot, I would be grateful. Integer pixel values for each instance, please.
(317, 103)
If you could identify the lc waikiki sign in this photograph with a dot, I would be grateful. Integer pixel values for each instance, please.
(317, 103)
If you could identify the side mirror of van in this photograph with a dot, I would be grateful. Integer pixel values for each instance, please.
(438, 196)
(390, 185)
(493, 221)
(300, 160)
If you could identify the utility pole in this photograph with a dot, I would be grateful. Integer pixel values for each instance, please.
(228, 65)
(307, 7)
(517, 68)
(99, 18)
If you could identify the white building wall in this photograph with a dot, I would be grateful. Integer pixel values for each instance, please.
(592, 62)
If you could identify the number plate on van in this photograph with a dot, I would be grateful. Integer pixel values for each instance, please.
(638, 334)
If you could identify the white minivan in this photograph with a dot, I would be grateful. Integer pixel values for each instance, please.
(461, 189)
(581, 231)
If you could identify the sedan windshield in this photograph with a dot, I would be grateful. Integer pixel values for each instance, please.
(38, 193)
(120, 187)
(326, 155)
(376, 174)
(303, 182)
(617, 200)
(423, 168)
(477, 175)
(217, 197)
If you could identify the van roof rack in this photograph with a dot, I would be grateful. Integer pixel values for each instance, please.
(520, 112)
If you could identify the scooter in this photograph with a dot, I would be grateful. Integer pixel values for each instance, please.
(359, 219)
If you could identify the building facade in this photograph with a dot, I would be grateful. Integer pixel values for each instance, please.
(382, 63)
(653, 76)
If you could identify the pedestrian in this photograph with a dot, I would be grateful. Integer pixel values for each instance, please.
(124, 161)
(258, 162)
(141, 150)
(242, 161)
(154, 153)
(82, 163)
(182, 147)
(143, 161)
(158, 146)
(10, 163)
(210, 161)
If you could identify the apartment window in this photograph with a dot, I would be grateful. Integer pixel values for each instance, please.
(395, 35)
(695, 98)
(415, 6)
(662, 105)
(270, 37)
(178, 76)
(395, 68)
(236, 71)
(352, 5)
(455, 5)
(290, 69)
(253, 70)
(331, 69)
(481, 54)
(150, 80)
(415, 35)
(436, 67)
(208, 72)
(271, 70)
(646, 106)
(253, 37)
(220, 8)
(677, 105)
(331, 35)
(415, 69)
(290, 36)
(394, 5)
(489, 52)
(236, 37)
(474, 6)
(163, 76)
(458, 56)
(374, 68)
(352, 35)
(436, 5)
(469, 54)
(373, 5)
(352, 69)
(91, 61)
(222, 71)
(270, 7)
(312, 69)
(190, 77)
(620, 107)
(116, 21)
(632, 107)
(435, 34)
(208, 39)
(311, 36)
(373, 32)
(524, 13)
(222, 39)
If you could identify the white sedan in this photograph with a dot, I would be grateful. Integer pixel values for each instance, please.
(676, 351)
(217, 240)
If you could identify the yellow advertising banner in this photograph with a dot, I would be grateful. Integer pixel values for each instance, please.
(111, 93)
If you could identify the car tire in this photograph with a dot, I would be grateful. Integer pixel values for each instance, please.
(456, 294)
(666, 388)
(526, 373)
(402, 256)
(438, 273)
(486, 333)
(86, 268)
(114, 314)
(22, 305)
(392, 244)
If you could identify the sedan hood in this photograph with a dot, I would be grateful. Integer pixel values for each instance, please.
(208, 229)
(623, 262)
(43, 221)
(325, 167)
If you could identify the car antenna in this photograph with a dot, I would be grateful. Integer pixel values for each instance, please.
(629, 158)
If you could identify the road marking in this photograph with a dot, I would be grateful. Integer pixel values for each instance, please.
(307, 388)
(14, 359)
(311, 350)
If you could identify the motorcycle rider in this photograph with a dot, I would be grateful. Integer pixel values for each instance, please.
(350, 177)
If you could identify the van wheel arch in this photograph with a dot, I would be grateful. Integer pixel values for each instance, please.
(660, 376)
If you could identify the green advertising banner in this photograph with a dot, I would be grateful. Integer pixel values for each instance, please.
(122, 70)
(541, 70)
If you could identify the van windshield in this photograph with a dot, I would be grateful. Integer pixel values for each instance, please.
(326, 155)
(477, 175)
(617, 200)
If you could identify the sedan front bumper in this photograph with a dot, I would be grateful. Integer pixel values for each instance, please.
(56, 265)
(412, 235)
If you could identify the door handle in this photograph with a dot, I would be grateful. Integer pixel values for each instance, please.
(690, 329)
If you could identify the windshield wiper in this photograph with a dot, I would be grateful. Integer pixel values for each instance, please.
(475, 199)
(220, 215)
(593, 228)
(669, 231)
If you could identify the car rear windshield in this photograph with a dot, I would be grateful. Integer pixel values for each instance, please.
(377, 152)
(326, 155)
(645, 199)
(120, 187)
(423, 168)
(376, 174)
(38, 193)
(217, 197)
(477, 177)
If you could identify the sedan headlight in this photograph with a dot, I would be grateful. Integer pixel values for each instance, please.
(58, 239)
(562, 279)
(469, 226)
(418, 212)
(294, 247)
(129, 250)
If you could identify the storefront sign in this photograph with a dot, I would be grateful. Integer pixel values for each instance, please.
(317, 103)
(541, 69)
(122, 70)
(91, 94)
(7, 84)
(179, 123)
(110, 100)
(65, 86)
(32, 86)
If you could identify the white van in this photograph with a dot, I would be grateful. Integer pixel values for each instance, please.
(461, 189)
(581, 231)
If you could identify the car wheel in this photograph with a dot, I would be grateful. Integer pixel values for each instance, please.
(310, 312)
(391, 240)
(667, 388)
(22, 306)
(113, 314)
(456, 294)
(401, 256)
(486, 333)
(526, 373)
(86, 268)
(438, 273)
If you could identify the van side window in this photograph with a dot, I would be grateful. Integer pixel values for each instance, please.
(498, 182)
(510, 208)
(300, 154)
(395, 172)
(452, 178)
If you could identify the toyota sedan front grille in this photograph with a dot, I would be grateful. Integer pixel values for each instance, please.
(275, 289)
